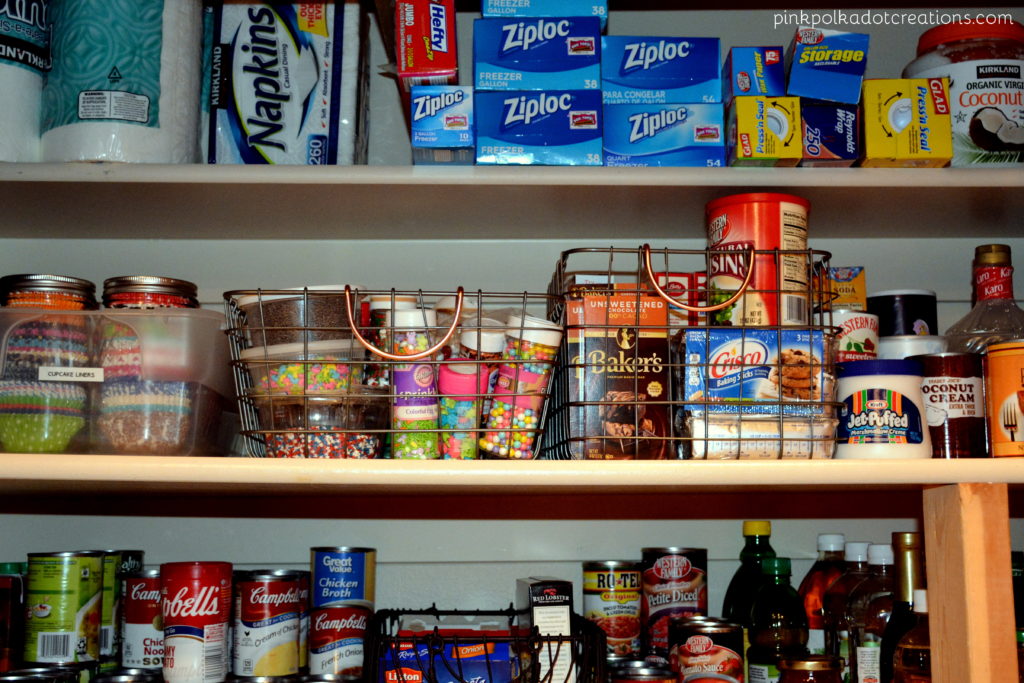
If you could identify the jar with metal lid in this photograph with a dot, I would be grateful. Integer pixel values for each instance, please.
(811, 669)
(55, 292)
(984, 63)
(148, 291)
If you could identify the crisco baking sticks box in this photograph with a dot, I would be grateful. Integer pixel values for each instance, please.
(560, 53)
(827, 65)
(664, 135)
(660, 70)
(754, 71)
(425, 44)
(831, 133)
(764, 131)
(552, 128)
(442, 124)
(547, 8)
(907, 122)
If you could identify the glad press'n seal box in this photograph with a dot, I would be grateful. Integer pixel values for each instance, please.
(907, 122)
(765, 131)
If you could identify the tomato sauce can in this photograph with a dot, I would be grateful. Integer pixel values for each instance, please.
(674, 585)
(62, 619)
(195, 601)
(612, 598)
(142, 626)
(706, 649)
(265, 625)
(342, 582)
(762, 222)
(1004, 398)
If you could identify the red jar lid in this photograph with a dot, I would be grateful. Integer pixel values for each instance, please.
(951, 33)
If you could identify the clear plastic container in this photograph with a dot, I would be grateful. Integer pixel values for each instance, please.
(322, 367)
(352, 426)
(311, 314)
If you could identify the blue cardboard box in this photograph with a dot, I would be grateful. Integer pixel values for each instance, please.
(546, 127)
(827, 65)
(754, 71)
(547, 8)
(664, 135)
(442, 124)
(831, 133)
(660, 70)
(560, 53)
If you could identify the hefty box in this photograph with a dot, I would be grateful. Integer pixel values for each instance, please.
(827, 65)
(547, 8)
(425, 44)
(660, 70)
(562, 53)
(907, 122)
(545, 603)
(554, 128)
(664, 135)
(765, 131)
(442, 124)
(831, 133)
(754, 71)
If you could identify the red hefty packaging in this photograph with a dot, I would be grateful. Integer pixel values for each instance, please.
(425, 44)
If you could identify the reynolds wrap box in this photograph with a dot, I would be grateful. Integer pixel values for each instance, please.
(547, 8)
(442, 124)
(907, 122)
(827, 65)
(660, 70)
(664, 135)
(425, 44)
(561, 53)
(831, 133)
(754, 71)
(553, 127)
(764, 131)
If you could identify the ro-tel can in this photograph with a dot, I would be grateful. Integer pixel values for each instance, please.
(706, 649)
(1004, 397)
(303, 620)
(857, 335)
(116, 564)
(142, 624)
(612, 598)
(341, 602)
(62, 621)
(265, 625)
(12, 615)
(674, 585)
(195, 601)
(952, 386)
(761, 221)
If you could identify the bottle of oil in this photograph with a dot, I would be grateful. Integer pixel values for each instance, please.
(913, 657)
(909, 577)
(739, 596)
(778, 623)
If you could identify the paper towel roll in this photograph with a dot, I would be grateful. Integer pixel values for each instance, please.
(125, 82)
(24, 57)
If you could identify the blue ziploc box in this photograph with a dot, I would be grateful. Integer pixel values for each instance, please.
(561, 53)
(547, 8)
(831, 133)
(442, 124)
(545, 127)
(827, 65)
(754, 71)
(664, 135)
(660, 70)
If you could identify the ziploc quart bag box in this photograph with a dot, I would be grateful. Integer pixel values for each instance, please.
(754, 71)
(547, 8)
(827, 65)
(442, 124)
(545, 127)
(664, 135)
(559, 53)
(764, 131)
(660, 70)
(907, 122)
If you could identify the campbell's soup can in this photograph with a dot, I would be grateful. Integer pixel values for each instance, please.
(116, 564)
(1004, 398)
(674, 585)
(265, 626)
(611, 599)
(342, 582)
(195, 601)
(703, 649)
(142, 624)
(303, 580)
(759, 222)
(62, 618)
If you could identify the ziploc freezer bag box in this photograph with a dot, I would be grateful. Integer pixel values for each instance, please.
(282, 83)
(831, 133)
(764, 131)
(827, 65)
(545, 127)
(664, 135)
(754, 71)
(547, 8)
(560, 53)
(660, 70)
(907, 122)
(442, 124)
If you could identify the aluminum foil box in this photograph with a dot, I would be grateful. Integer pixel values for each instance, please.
(831, 133)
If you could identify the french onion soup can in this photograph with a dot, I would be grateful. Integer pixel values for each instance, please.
(612, 598)
(342, 591)
(674, 585)
(706, 649)
(1004, 398)
(195, 601)
(63, 591)
(265, 625)
(142, 626)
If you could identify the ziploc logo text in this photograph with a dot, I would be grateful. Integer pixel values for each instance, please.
(522, 36)
(647, 125)
(643, 56)
(524, 110)
(428, 105)
(263, 80)
(438, 27)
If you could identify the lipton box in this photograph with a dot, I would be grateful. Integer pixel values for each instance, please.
(827, 65)
(558, 53)
(907, 122)
(443, 130)
(547, 8)
(831, 133)
(664, 135)
(765, 131)
(425, 44)
(753, 71)
(468, 649)
(660, 70)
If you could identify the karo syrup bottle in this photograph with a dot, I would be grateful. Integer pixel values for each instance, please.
(995, 316)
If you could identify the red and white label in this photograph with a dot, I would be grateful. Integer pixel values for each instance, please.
(336, 636)
(993, 282)
(143, 632)
(196, 607)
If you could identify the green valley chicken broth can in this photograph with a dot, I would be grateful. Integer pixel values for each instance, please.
(612, 599)
(675, 585)
(64, 594)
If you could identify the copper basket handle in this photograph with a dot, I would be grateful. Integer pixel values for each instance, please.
(412, 356)
(646, 251)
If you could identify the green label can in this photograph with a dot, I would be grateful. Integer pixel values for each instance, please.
(64, 592)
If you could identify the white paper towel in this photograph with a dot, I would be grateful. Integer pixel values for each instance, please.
(104, 69)
(24, 57)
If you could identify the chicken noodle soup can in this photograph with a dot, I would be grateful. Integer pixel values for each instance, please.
(612, 599)
(265, 624)
(143, 624)
(341, 603)
(1004, 397)
(706, 649)
(63, 595)
(195, 602)
(674, 585)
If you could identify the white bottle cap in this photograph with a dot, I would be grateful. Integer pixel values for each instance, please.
(880, 554)
(831, 541)
(920, 601)
(856, 551)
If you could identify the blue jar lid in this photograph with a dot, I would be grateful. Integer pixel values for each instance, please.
(893, 366)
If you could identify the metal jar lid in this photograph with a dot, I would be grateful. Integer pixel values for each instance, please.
(150, 284)
(811, 663)
(57, 284)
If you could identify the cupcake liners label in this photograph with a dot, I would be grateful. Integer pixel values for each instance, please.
(57, 374)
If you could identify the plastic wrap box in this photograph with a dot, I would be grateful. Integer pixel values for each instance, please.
(138, 382)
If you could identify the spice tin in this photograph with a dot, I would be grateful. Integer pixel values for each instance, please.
(904, 311)
(1004, 392)
(63, 615)
(857, 338)
(142, 630)
(954, 404)
(612, 597)
(705, 648)
(196, 608)
(265, 625)
(674, 585)
(342, 591)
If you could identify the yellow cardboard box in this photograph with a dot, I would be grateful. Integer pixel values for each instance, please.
(907, 122)
(765, 131)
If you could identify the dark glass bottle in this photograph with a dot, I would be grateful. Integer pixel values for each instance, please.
(739, 596)
(826, 569)
(909, 577)
(913, 657)
(837, 628)
(778, 623)
(868, 609)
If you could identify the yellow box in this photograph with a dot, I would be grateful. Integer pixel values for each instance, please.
(765, 131)
(907, 122)
(847, 285)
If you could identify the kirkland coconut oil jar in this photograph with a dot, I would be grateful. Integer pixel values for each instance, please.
(985, 67)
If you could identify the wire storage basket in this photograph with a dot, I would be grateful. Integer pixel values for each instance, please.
(348, 372)
(479, 646)
(653, 368)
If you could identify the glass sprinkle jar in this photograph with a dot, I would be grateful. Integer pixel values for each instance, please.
(54, 292)
(148, 291)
